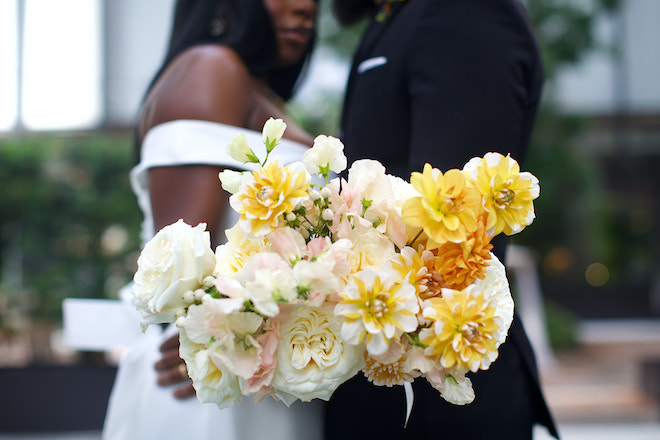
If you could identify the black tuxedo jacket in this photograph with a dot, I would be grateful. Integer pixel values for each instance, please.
(442, 81)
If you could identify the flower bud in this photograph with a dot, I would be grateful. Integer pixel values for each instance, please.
(327, 214)
(273, 132)
(231, 180)
(239, 149)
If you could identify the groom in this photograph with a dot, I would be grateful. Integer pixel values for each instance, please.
(442, 81)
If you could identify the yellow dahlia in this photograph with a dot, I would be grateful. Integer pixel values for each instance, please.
(388, 374)
(268, 194)
(461, 264)
(232, 256)
(377, 308)
(447, 208)
(508, 195)
(462, 330)
(419, 267)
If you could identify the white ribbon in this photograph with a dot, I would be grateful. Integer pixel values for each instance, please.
(410, 397)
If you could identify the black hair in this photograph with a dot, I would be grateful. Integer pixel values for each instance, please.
(243, 25)
(349, 12)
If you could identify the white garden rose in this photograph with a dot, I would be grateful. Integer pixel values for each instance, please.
(371, 249)
(176, 260)
(213, 383)
(312, 358)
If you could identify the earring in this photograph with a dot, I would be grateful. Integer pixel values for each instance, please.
(217, 26)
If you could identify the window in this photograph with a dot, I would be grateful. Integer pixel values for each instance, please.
(9, 57)
(61, 72)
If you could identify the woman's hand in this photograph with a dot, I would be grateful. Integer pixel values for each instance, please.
(171, 370)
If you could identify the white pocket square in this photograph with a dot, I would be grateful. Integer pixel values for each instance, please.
(370, 63)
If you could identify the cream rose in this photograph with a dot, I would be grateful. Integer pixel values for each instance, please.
(212, 381)
(176, 260)
(312, 358)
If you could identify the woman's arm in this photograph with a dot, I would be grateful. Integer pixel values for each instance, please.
(207, 83)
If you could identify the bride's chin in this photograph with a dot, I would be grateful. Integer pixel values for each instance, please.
(290, 55)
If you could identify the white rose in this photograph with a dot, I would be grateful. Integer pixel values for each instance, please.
(312, 358)
(212, 383)
(326, 153)
(371, 249)
(176, 260)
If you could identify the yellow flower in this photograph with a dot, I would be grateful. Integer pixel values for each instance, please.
(461, 264)
(419, 267)
(268, 194)
(507, 193)
(376, 306)
(462, 332)
(388, 374)
(232, 256)
(447, 209)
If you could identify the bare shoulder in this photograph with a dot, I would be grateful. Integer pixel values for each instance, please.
(208, 82)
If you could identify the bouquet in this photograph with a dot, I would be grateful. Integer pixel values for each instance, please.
(320, 281)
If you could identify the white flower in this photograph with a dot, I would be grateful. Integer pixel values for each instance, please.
(317, 278)
(454, 387)
(213, 383)
(369, 179)
(402, 190)
(458, 390)
(233, 255)
(327, 214)
(270, 287)
(175, 260)
(327, 154)
(377, 308)
(231, 180)
(272, 132)
(287, 242)
(230, 337)
(370, 249)
(239, 149)
(312, 358)
(268, 279)
(496, 285)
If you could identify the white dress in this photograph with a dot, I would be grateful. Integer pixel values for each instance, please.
(138, 408)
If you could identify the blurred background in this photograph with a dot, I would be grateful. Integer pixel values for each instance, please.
(586, 274)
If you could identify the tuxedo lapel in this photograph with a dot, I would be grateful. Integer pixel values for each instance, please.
(369, 40)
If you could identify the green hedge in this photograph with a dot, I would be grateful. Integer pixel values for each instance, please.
(69, 223)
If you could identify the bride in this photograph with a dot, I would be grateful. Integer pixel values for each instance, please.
(230, 66)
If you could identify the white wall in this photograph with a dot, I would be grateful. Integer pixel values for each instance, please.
(629, 81)
(137, 33)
